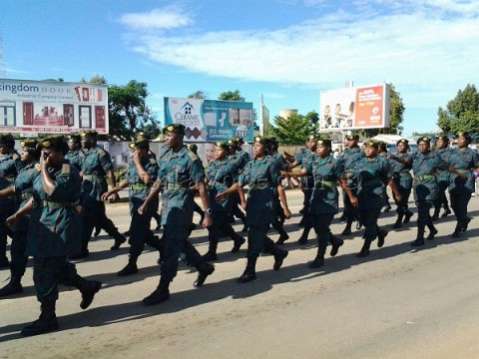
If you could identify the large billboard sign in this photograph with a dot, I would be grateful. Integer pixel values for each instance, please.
(355, 108)
(52, 107)
(210, 120)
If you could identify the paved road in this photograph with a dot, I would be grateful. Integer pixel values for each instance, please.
(398, 303)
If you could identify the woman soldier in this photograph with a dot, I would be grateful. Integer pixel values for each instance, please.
(324, 199)
(462, 163)
(443, 177)
(22, 189)
(401, 164)
(425, 166)
(372, 173)
(57, 191)
(219, 175)
(263, 177)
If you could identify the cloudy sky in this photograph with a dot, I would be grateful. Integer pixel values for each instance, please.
(287, 50)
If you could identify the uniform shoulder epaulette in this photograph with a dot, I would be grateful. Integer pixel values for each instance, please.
(66, 169)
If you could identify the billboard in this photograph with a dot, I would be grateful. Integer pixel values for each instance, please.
(354, 108)
(210, 120)
(52, 107)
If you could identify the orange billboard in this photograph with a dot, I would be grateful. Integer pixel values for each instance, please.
(353, 108)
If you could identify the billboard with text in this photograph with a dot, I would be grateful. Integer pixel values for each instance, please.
(210, 120)
(52, 107)
(353, 108)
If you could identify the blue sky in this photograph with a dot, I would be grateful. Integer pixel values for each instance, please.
(287, 50)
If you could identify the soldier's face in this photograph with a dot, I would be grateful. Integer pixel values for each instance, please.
(173, 139)
(351, 143)
(323, 151)
(25, 155)
(258, 149)
(52, 158)
(462, 142)
(424, 146)
(440, 143)
(3, 150)
(72, 145)
(220, 153)
(371, 151)
(402, 147)
(311, 144)
(88, 142)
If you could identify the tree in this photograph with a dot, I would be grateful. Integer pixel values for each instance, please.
(200, 95)
(97, 80)
(230, 96)
(128, 111)
(293, 130)
(396, 112)
(461, 113)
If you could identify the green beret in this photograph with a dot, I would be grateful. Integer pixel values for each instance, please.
(312, 138)
(403, 140)
(464, 134)
(89, 133)
(141, 139)
(174, 128)
(423, 139)
(55, 143)
(325, 143)
(352, 137)
(222, 144)
(371, 143)
(262, 140)
(75, 138)
(30, 144)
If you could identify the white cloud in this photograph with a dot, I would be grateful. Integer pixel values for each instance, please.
(166, 18)
(420, 51)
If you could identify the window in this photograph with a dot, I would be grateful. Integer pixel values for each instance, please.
(7, 114)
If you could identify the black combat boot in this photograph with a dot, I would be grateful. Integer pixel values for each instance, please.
(398, 223)
(382, 233)
(336, 243)
(46, 323)
(279, 256)
(347, 229)
(407, 217)
(365, 249)
(457, 230)
(159, 295)
(204, 270)
(14, 286)
(119, 240)
(303, 239)
(465, 224)
(420, 236)
(212, 248)
(88, 289)
(319, 260)
(238, 242)
(129, 269)
(249, 273)
(432, 232)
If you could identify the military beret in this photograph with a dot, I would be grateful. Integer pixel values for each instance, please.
(371, 143)
(311, 138)
(222, 144)
(403, 140)
(55, 143)
(89, 133)
(464, 134)
(352, 137)
(423, 139)
(193, 147)
(325, 143)
(30, 144)
(141, 139)
(174, 128)
(262, 140)
(75, 137)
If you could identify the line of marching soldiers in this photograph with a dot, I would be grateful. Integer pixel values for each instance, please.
(52, 195)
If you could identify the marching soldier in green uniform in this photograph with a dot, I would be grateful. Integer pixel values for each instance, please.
(278, 213)
(57, 191)
(194, 148)
(142, 173)
(97, 167)
(9, 166)
(180, 174)
(75, 154)
(347, 160)
(443, 177)
(324, 199)
(240, 159)
(263, 177)
(462, 162)
(219, 175)
(401, 164)
(372, 174)
(383, 152)
(21, 190)
(425, 166)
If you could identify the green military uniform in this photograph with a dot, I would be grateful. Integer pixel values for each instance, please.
(425, 167)
(462, 183)
(56, 237)
(303, 158)
(220, 176)
(371, 176)
(239, 158)
(401, 164)
(96, 164)
(324, 201)
(443, 180)
(262, 177)
(9, 166)
(75, 158)
(347, 161)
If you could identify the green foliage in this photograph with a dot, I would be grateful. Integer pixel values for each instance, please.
(230, 96)
(198, 95)
(293, 130)
(461, 113)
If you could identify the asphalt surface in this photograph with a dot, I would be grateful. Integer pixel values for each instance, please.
(397, 303)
